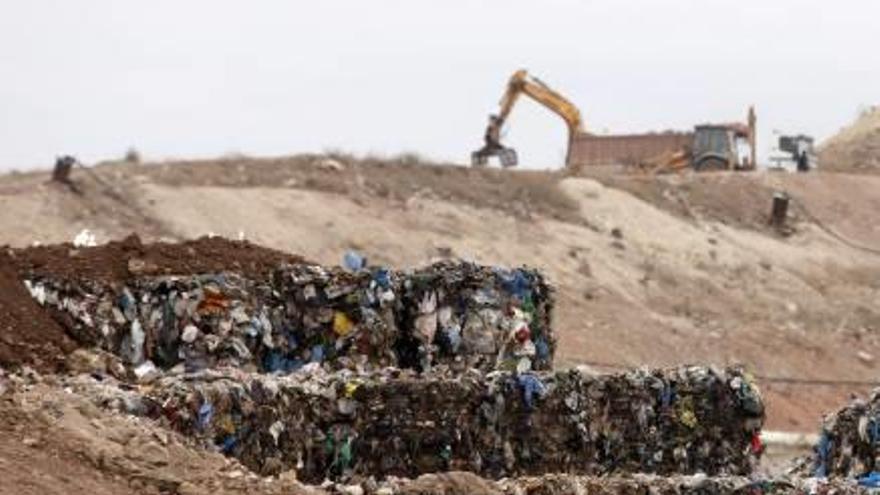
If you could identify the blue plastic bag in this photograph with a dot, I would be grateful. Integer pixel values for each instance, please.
(531, 386)
(354, 261)
(206, 412)
(870, 480)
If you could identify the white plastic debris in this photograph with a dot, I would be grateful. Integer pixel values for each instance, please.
(37, 291)
(275, 430)
(138, 337)
(189, 334)
(146, 371)
(85, 239)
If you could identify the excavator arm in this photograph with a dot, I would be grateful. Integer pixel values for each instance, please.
(523, 83)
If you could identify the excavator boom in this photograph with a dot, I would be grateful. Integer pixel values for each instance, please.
(522, 83)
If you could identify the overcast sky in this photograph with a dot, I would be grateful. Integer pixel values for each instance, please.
(200, 78)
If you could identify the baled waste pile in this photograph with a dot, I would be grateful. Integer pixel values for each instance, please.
(400, 423)
(457, 314)
(849, 443)
(447, 306)
(370, 373)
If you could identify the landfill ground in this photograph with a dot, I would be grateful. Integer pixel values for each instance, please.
(650, 271)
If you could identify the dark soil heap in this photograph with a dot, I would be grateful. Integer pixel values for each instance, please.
(120, 261)
(32, 335)
(28, 335)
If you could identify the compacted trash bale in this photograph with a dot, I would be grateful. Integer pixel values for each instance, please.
(459, 315)
(849, 442)
(393, 422)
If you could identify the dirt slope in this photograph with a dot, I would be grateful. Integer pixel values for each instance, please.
(55, 442)
(856, 148)
(30, 467)
(654, 272)
(27, 333)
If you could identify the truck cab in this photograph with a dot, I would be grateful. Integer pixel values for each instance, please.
(786, 155)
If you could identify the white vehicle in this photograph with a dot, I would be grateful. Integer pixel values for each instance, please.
(793, 154)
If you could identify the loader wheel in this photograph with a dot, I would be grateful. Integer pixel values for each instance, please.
(711, 164)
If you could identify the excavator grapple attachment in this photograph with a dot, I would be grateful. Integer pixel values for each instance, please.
(507, 157)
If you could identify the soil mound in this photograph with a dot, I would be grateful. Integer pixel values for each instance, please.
(36, 336)
(28, 335)
(120, 261)
(856, 148)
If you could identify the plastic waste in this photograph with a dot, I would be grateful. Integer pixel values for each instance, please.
(189, 335)
(85, 238)
(870, 480)
(138, 337)
(354, 261)
(206, 413)
(531, 388)
(342, 325)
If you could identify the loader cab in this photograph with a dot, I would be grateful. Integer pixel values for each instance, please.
(720, 147)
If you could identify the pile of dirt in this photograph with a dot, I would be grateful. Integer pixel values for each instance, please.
(120, 261)
(36, 336)
(54, 442)
(28, 335)
(856, 148)
(733, 199)
(522, 194)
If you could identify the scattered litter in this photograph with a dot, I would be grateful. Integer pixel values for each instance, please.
(85, 238)
(354, 261)
(146, 372)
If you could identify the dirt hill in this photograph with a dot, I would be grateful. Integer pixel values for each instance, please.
(651, 271)
(856, 148)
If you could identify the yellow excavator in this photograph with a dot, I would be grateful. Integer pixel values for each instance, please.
(523, 83)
